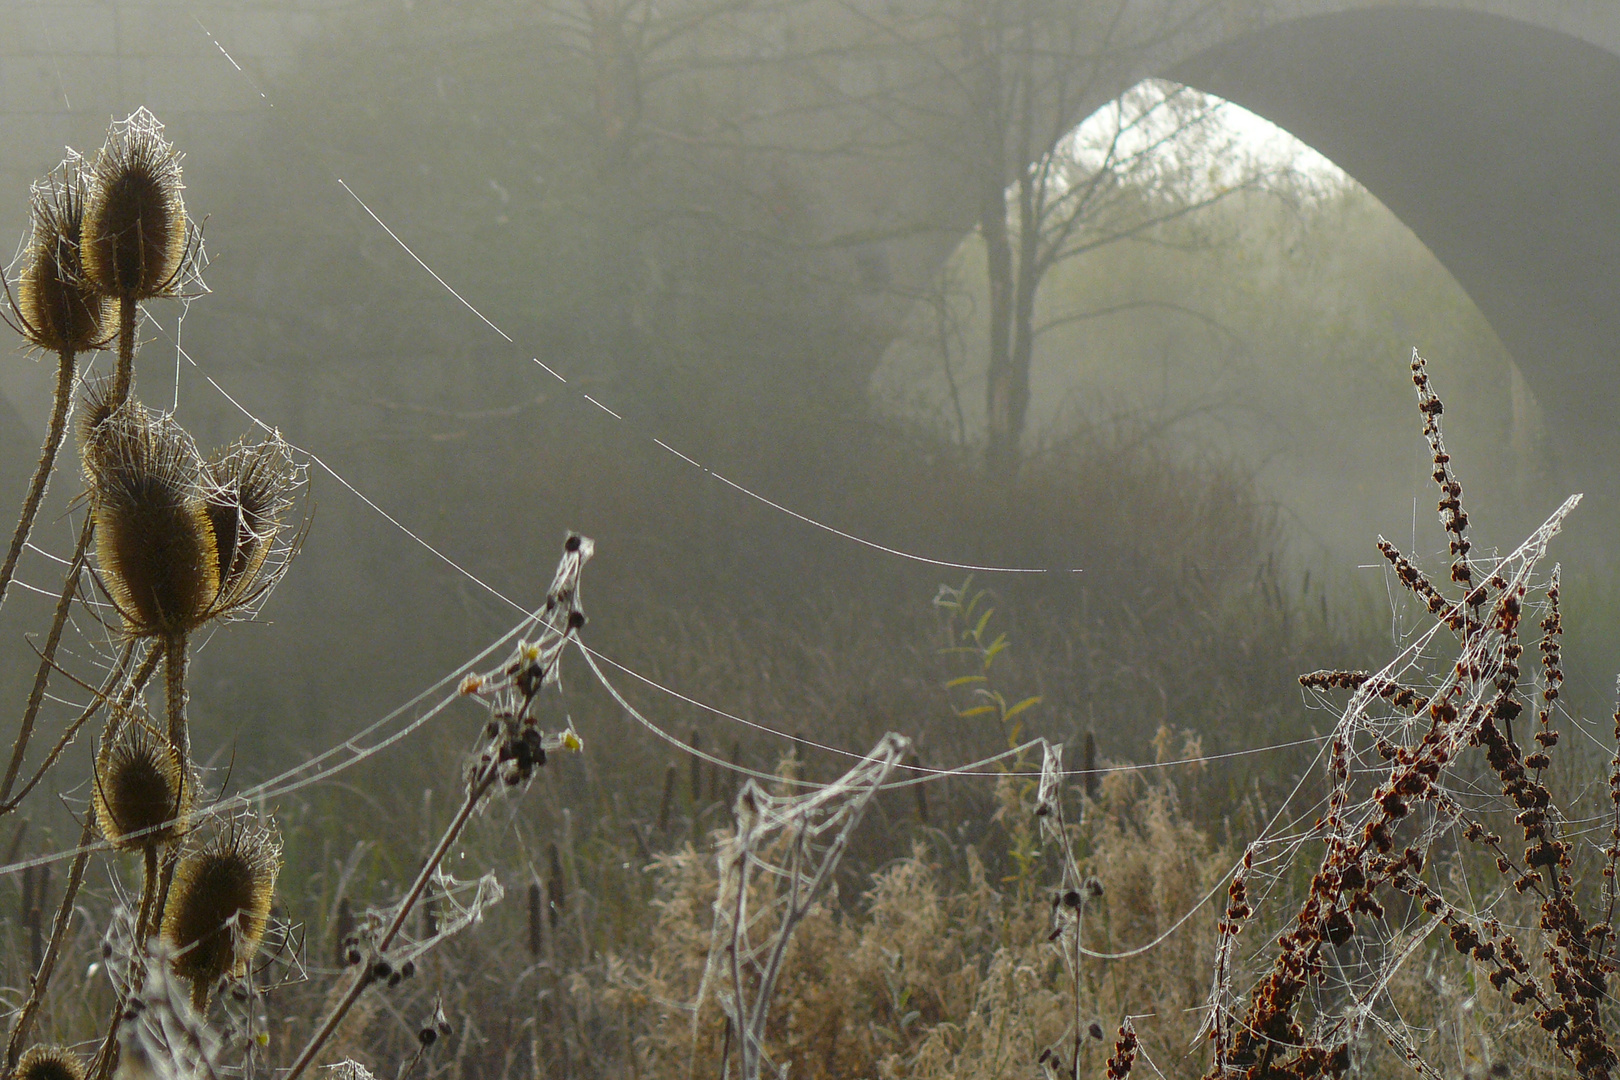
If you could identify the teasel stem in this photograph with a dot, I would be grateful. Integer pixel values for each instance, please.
(42, 978)
(477, 787)
(54, 434)
(90, 710)
(106, 1059)
(124, 373)
(174, 672)
(47, 658)
(70, 893)
(143, 921)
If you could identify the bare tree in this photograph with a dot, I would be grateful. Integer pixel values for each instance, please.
(993, 90)
(1048, 192)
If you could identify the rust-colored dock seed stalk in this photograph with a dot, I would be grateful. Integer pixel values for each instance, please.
(219, 905)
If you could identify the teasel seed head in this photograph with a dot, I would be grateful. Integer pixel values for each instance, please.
(55, 307)
(154, 539)
(50, 1063)
(135, 241)
(143, 790)
(94, 410)
(219, 904)
(249, 490)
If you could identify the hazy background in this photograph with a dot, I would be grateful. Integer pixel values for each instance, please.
(1216, 450)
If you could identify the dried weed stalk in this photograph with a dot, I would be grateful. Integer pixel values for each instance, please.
(1406, 798)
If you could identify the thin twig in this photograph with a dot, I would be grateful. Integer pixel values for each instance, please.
(67, 737)
(42, 474)
(476, 789)
(70, 586)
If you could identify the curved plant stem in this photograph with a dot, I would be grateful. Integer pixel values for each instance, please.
(72, 731)
(64, 910)
(47, 657)
(54, 434)
(106, 1059)
(476, 789)
(42, 978)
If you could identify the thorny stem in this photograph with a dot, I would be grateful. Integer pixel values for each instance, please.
(476, 789)
(42, 474)
(174, 671)
(64, 911)
(47, 658)
(124, 374)
(72, 731)
(42, 978)
(106, 1059)
(143, 921)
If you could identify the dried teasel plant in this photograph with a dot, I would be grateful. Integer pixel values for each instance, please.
(55, 309)
(178, 540)
(158, 561)
(219, 904)
(136, 241)
(181, 541)
(249, 491)
(50, 1063)
(143, 790)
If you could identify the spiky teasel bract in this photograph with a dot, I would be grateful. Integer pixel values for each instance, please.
(154, 539)
(97, 405)
(219, 904)
(249, 489)
(135, 240)
(143, 788)
(50, 1063)
(55, 307)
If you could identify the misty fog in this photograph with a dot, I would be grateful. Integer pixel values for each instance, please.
(967, 370)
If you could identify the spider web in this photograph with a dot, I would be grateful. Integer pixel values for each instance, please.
(774, 868)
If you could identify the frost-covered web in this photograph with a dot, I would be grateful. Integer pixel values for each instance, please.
(1439, 833)
(454, 905)
(773, 869)
(161, 1035)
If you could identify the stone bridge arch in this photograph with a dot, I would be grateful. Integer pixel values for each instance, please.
(1491, 129)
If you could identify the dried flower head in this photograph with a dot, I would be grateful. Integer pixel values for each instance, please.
(249, 491)
(154, 539)
(143, 791)
(97, 405)
(50, 1063)
(219, 904)
(55, 306)
(135, 239)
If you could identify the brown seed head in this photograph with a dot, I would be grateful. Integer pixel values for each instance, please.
(94, 410)
(142, 791)
(134, 240)
(154, 540)
(50, 1063)
(219, 904)
(249, 491)
(55, 306)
